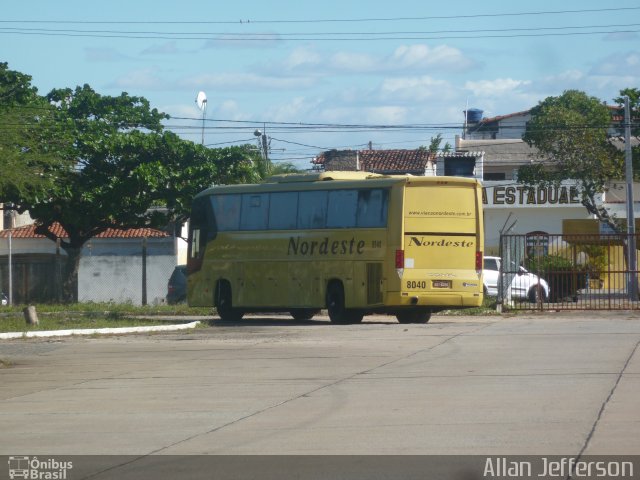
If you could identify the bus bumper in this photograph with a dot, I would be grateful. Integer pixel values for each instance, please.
(451, 299)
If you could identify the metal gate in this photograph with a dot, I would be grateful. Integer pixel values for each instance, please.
(567, 272)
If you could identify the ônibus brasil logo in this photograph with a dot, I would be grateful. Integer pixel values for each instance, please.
(37, 469)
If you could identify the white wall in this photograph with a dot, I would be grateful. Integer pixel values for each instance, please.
(111, 269)
(548, 220)
(109, 278)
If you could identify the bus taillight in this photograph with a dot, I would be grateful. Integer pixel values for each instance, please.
(400, 263)
(399, 258)
(479, 262)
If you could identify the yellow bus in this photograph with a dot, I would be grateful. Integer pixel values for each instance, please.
(354, 243)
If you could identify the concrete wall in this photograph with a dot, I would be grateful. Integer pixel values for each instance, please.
(111, 269)
(528, 220)
(110, 278)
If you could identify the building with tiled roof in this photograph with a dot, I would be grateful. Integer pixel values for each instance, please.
(513, 125)
(29, 231)
(415, 162)
(112, 266)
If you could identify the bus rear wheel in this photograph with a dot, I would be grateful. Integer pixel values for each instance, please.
(224, 304)
(422, 315)
(304, 313)
(335, 306)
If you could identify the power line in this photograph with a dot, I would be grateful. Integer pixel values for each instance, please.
(330, 20)
(321, 39)
(261, 36)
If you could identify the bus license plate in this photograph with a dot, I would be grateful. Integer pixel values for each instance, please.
(441, 284)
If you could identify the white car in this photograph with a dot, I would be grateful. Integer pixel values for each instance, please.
(3, 299)
(524, 286)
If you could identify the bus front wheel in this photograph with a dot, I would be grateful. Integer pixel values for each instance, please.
(338, 313)
(421, 315)
(224, 304)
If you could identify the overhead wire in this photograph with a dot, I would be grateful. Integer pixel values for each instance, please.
(262, 35)
(321, 39)
(330, 20)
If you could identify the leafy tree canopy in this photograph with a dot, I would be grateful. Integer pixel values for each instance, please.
(570, 133)
(25, 156)
(434, 145)
(115, 167)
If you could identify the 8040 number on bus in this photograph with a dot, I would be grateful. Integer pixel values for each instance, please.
(416, 284)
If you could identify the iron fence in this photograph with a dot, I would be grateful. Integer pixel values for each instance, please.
(567, 272)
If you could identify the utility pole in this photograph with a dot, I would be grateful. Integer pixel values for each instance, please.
(632, 281)
(10, 270)
(264, 148)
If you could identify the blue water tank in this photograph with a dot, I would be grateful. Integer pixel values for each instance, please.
(474, 115)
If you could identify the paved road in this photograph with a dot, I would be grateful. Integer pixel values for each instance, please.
(563, 384)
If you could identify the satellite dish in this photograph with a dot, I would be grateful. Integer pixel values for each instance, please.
(201, 101)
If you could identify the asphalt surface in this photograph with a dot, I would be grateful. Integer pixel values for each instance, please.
(549, 384)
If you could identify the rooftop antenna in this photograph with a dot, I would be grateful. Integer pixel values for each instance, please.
(201, 101)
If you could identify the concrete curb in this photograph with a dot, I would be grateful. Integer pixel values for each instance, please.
(100, 331)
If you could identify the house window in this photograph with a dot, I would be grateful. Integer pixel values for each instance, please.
(495, 176)
(459, 167)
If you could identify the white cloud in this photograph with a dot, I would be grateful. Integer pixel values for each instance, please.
(235, 81)
(181, 110)
(416, 89)
(496, 88)
(353, 62)
(619, 64)
(302, 58)
(136, 80)
(422, 56)
(382, 114)
(93, 54)
(406, 58)
(298, 109)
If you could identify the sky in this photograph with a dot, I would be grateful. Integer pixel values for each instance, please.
(331, 74)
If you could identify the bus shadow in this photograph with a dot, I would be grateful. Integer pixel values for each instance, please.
(288, 322)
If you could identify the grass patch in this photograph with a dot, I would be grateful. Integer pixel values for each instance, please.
(16, 323)
(115, 310)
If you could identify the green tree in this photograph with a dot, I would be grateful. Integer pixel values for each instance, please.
(570, 133)
(26, 139)
(434, 145)
(118, 168)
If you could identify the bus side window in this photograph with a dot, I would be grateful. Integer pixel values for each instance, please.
(255, 211)
(226, 209)
(283, 211)
(341, 212)
(312, 209)
(372, 208)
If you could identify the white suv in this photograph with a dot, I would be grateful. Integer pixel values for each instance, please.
(524, 286)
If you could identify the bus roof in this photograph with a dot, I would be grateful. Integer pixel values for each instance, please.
(333, 179)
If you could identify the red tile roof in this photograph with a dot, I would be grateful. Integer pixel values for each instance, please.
(29, 231)
(386, 160)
